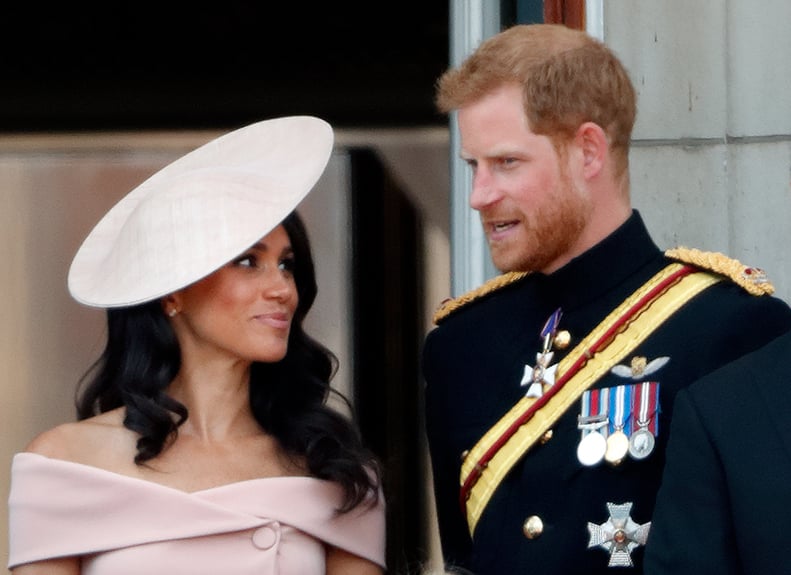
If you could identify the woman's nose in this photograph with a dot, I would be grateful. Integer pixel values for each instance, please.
(278, 285)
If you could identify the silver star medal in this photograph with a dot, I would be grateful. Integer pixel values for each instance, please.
(542, 373)
(619, 535)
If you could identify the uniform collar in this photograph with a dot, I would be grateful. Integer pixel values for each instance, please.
(604, 267)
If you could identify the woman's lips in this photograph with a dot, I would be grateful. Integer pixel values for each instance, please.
(276, 320)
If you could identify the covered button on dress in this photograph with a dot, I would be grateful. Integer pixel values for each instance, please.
(123, 525)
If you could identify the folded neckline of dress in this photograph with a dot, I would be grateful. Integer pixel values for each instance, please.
(123, 476)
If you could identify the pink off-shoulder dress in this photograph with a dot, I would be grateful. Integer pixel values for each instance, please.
(127, 526)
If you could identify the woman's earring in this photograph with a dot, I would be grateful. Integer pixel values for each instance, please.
(173, 311)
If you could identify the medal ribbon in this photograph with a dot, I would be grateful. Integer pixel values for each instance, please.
(595, 403)
(619, 414)
(645, 403)
(550, 329)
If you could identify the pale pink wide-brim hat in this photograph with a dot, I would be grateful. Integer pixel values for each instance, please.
(199, 212)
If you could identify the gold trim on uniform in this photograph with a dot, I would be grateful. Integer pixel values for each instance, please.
(450, 305)
(753, 280)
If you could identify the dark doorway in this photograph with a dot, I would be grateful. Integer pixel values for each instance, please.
(387, 272)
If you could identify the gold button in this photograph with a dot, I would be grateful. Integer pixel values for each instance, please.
(533, 527)
(546, 437)
(562, 339)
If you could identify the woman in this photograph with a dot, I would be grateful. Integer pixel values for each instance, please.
(204, 442)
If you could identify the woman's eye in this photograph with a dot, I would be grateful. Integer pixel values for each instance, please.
(248, 261)
(287, 265)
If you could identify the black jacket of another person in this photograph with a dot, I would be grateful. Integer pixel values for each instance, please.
(724, 507)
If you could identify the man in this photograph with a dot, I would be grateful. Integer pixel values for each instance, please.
(725, 501)
(549, 389)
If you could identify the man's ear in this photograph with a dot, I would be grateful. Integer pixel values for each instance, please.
(595, 146)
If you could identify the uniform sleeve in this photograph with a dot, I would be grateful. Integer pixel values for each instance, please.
(446, 467)
(691, 532)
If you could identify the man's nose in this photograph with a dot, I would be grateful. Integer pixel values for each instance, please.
(484, 191)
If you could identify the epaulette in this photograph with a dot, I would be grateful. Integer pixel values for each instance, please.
(452, 304)
(753, 280)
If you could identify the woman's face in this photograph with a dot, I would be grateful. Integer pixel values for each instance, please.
(245, 308)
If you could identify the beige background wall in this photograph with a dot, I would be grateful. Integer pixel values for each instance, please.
(52, 190)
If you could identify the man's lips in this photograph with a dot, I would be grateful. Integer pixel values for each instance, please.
(496, 229)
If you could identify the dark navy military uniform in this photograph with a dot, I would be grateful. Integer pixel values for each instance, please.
(725, 502)
(474, 361)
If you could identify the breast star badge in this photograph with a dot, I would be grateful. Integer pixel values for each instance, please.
(619, 535)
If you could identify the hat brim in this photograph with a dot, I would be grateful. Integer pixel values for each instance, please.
(199, 212)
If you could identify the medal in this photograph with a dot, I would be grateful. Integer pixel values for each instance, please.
(617, 447)
(593, 418)
(618, 441)
(641, 444)
(619, 535)
(591, 448)
(646, 400)
(540, 375)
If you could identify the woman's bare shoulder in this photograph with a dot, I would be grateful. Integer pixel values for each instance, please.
(83, 441)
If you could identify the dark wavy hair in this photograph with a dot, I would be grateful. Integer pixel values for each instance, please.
(288, 398)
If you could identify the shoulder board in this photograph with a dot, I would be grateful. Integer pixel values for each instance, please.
(753, 280)
(448, 306)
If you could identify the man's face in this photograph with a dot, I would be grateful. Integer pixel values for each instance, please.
(532, 212)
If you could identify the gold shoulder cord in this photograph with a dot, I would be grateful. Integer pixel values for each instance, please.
(451, 305)
(753, 280)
